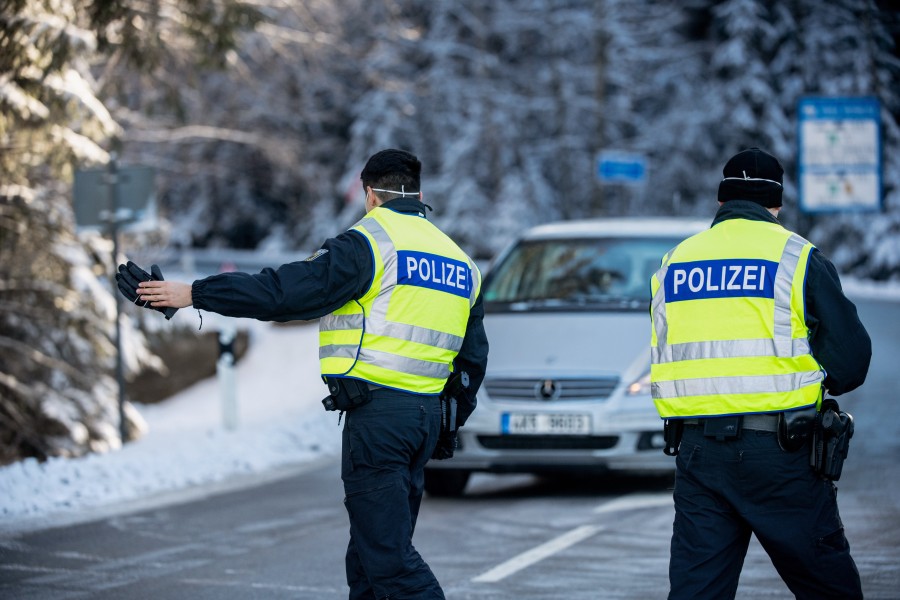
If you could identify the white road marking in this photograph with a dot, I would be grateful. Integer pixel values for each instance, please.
(537, 554)
(570, 538)
(632, 501)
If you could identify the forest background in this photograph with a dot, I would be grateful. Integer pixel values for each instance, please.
(257, 116)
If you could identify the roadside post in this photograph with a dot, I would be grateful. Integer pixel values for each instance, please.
(225, 364)
(226, 375)
(111, 199)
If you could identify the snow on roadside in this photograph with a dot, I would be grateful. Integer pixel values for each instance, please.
(281, 423)
(871, 290)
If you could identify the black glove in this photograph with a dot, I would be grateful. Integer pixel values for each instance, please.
(446, 445)
(128, 278)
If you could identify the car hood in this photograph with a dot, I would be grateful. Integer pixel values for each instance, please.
(555, 344)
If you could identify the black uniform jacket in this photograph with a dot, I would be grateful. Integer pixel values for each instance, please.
(341, 271)
(838, 339)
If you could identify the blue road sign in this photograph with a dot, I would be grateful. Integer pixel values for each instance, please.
(621, 167)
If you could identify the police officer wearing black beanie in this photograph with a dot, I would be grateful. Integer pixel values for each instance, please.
(741, 474)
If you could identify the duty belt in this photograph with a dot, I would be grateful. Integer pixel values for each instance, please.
(757, 422)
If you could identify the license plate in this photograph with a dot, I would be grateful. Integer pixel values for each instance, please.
(545, 424)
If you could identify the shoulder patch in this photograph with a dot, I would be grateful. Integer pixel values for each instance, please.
(316, 254)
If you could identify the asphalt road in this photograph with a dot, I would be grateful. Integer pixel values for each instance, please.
(510, 537)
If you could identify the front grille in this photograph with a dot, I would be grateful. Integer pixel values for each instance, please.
(551, 389)
(547, 442)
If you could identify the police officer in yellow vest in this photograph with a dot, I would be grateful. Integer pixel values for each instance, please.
(749, 328)
(400, 312)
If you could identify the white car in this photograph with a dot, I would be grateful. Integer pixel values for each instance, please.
(568, 379)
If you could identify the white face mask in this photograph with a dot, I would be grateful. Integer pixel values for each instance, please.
(402, 192)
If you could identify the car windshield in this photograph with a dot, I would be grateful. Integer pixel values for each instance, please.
(565, 274)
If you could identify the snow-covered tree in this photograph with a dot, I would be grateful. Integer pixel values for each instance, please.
(57, 314)
(653, 104)
(507, 103)
(758, 59)
(499, 100)
(246, 153)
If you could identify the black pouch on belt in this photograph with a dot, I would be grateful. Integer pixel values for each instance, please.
(346, 394)
(795, 427)
(723, 428)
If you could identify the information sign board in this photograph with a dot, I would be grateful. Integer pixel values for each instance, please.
(839, 159)
(128, 193)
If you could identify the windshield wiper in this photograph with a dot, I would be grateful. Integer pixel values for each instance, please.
(537, 303)
(575, 301)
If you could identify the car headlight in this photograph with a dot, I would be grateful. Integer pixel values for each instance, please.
(640, 386)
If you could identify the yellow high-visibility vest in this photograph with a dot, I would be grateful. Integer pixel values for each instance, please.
(409, 326)
(728, 333)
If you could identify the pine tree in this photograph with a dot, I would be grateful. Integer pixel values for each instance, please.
(56, 312)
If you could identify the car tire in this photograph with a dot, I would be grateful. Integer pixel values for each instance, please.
(446, 482)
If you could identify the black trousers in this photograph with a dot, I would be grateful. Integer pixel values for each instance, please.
(386, 444)
(724, 491)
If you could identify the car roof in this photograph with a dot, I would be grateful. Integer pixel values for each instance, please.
(619, 227)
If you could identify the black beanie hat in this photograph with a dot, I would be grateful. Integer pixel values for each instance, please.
(752, 175)
(391, 167)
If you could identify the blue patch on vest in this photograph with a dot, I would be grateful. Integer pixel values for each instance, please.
(727, 278)
(434, 272)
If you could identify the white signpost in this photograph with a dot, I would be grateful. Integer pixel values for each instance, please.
(839, 160)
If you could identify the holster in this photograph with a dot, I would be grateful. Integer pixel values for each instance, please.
(830, 440)
(346, 394)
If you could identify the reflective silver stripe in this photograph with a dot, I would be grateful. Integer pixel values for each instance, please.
(658, 310)
(724, 386)
(385, 246)
(386, 360)
(784, 281)
(476, 282)
(335, 322)
(658, 302)
(421, 335)
(403, 364)
(725, 349)
(402, 331)
(338, 351)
